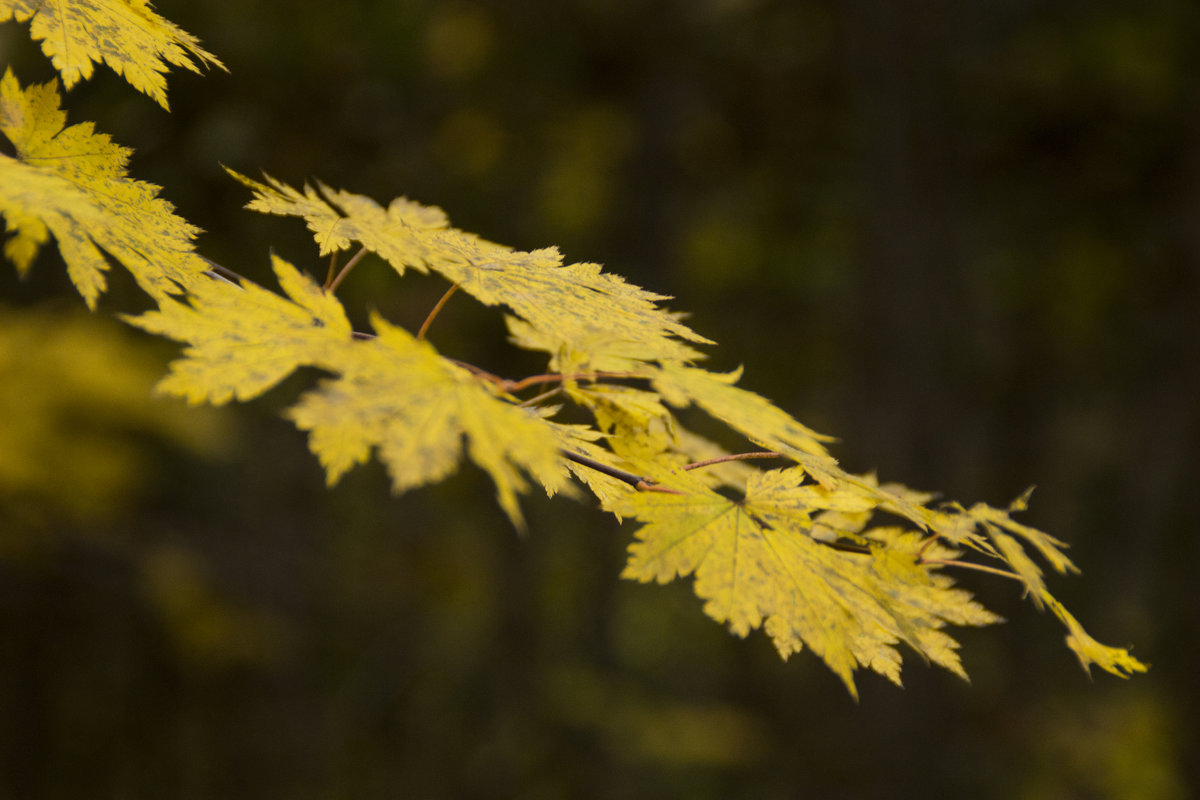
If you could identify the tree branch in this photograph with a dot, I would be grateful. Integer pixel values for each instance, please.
(636, 481)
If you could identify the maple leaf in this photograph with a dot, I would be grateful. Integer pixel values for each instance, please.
(636, 420)
(756, 565)
(392, 392)
(244, 339)
(994, 533)
(70, 183)
(398, 394)
(127, 35)
(1114, 660)
(576, 308)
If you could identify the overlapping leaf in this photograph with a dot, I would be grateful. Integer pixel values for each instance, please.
(755, 565)
(393, 392)
(993, 532)
(578, 309)
(125, 34)
(70, 183)
(244, 339)
(398, 394)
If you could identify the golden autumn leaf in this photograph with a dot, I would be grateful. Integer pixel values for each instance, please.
(1114, 660)
(271, 338)
(575, 308)
(70, 183)
(126, 35)
(397, 394)
(393, 393)
(756, 565)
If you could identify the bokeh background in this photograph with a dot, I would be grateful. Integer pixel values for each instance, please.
(963, 237)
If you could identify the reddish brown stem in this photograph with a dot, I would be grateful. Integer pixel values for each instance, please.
(434, 312)
(341, 276)
(480, 373)
(925, 545)
(708, 462)
(647, 486)
(332, 270)
(557, 377)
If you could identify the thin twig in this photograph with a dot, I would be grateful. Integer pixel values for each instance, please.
(845, 547)
(636, 481)
(438, 307)
(612, 472)
(734, 457)
(341, 276)
(215, 270)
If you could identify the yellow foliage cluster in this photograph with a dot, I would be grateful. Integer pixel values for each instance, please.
(808, 552)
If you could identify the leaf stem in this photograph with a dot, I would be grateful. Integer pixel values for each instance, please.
(537, 398)
(434, 312)
(952, 562)
(480, 372)
(533, 380)
(557, 377)
(341, 276)
(708, 462)
(333, 257)
(925, 545)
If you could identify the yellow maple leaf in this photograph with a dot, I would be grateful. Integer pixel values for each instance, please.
(393, 392)
(70, 183)
(574, 307)
(1114, 660)
(636, 420)
(398, 394)
(993, 532)
(126, 35)
(244, 339)
(756, 565)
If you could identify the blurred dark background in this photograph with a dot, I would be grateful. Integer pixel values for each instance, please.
(963, 237)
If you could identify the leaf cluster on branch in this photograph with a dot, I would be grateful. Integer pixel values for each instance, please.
(814, 555)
